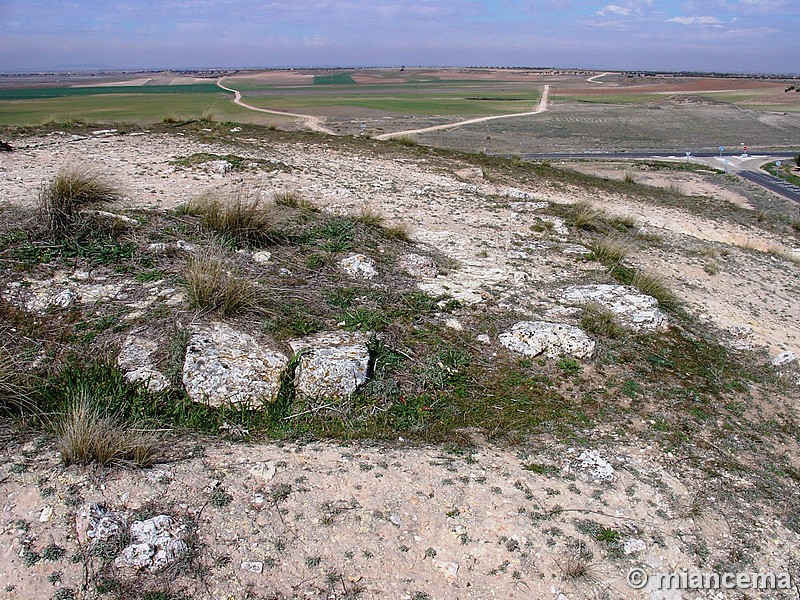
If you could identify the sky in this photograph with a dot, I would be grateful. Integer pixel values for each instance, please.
(739, 36)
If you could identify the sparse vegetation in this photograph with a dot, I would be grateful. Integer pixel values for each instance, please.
(213, 284)
(73, 190)
(86, 436)
(239, 217)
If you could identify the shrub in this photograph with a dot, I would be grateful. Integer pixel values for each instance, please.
(213, 285)
(14, 390)
(86, 436)
(654, 285)
(241, 217)
(405, 140)
(73, 189)
(609, 250)
(586, 216)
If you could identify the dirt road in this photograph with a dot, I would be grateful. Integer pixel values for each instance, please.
(542, 107)
(309, 121)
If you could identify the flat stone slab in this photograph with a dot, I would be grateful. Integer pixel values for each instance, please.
(533, 338)
(332, 364)
(224, 365)
(136, 362)
(358, 266)
(633, 309)
(417, 265)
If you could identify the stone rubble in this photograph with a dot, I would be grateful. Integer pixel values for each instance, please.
(633, 309)
(331, 364)
(533, 338)
(224, 365)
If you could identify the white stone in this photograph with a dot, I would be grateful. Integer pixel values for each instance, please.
(136, 362)
(516, 193)
(449, 569)
(115, 217)
(575, 249)
(417, 265)
(332, 364)
(224, 365)
(454, 323)
(97, 524)
(253, 566)
(262, 257)
(633, 546)
(358, 266)
(483, 338)
(154, 544)
(592, 466)
(784, 358)
(633, 309)
(46, 513)
(532, 338)
(264, 470)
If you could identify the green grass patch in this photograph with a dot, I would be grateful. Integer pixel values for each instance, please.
(334, 79)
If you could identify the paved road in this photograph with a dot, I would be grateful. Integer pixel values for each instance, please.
(775, 184)
(746, 167)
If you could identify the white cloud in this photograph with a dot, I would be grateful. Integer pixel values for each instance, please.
(713, 21)
(613, 9)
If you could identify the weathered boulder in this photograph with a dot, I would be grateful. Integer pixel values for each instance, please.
(358, 266)
(155, 544)
(532, 338)
(136, 362)
(96, 524)
(784, 358)
(332, 364)
(224, 365)
(591, 466)
(417, 265)
(633, 309)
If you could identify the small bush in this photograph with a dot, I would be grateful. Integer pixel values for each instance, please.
(601, 322)
(14, 389)
(586, 216)
(242, 217)
(405, 140)
(654, 285)
(86, 436)
(293, 199)
(213, 285)
(629, 177)
(609, 250)
(73, 189)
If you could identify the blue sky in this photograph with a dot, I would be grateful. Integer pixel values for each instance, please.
(721, 35)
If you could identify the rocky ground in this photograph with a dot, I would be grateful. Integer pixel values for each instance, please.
(663, 465)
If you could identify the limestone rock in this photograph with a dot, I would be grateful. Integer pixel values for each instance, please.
(225, 365)
(155, 544)
(593, 467)
(470, 173)
(532, 338)
(633, 309)
(358, 266)
(784, 358)
(332, 364)
(96, 524)
(417, 265)
(136, 362)
(262, 257)
(516, 193)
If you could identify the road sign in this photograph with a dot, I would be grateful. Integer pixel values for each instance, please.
(745, 149)
(778, 163)
(722, 148)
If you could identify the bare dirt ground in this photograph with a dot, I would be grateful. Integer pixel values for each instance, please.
(324, 520)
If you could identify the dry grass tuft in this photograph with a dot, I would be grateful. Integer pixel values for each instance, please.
(586, 216)
(293, 199)
(577, 566)
(599, 321)
(655, 286)
(214, 285)
(629, 177)
(370, 217)
(86, 436)
(610, 250)
(72, 189)
(14, 388)
(241, 217)
(405, 140)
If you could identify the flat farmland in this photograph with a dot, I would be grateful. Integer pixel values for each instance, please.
(587, 111)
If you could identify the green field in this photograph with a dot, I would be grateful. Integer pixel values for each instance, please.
(62, 92)
(629, 98)
(127, 108)
(335, 79)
